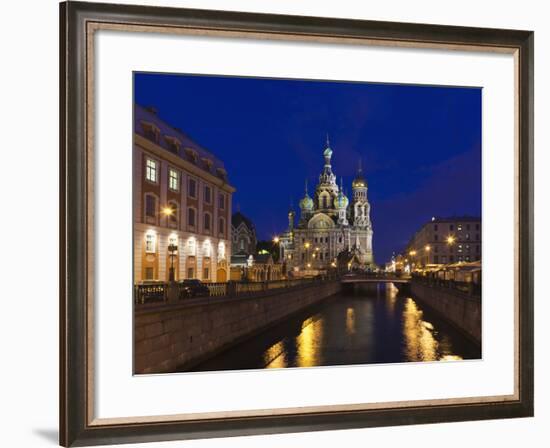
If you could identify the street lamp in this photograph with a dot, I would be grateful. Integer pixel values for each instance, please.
(450, 240)
(172, 248)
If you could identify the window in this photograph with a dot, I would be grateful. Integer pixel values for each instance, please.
(191, 217)
(221, 201)
(477, 249)
(149, 273)
(221, 226)
(191, 247)
(451, 258)
(150, 242)
(242, 244)
(173, 179)
(207, 220)
(150, 206)
(207, 249)
(436, 259)
(451, 227)
(443, 259)
(436, 237)
(467, 226)
(477, 236)
(151, 170)
(192, 188)
(221, 250)
(207, 194)
(436, 249)
(467, 236)
(206, 274)
(435, 227)
(190, 273)
(477, 226)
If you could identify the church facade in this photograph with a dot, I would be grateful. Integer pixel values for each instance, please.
(330, 227)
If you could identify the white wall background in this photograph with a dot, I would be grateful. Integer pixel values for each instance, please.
(29, 208)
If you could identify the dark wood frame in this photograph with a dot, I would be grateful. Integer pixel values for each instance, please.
(76, 425)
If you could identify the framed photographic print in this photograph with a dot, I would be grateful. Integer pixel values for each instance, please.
(278, 224)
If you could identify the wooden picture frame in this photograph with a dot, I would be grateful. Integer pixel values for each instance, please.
(78, 22)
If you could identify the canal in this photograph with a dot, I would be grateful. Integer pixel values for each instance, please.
(375, 325)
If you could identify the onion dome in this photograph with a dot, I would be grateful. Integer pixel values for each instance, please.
(306, 203)
(341, 201)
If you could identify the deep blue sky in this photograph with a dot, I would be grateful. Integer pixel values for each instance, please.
(420, 145)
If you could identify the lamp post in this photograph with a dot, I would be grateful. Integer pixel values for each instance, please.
(172, 248)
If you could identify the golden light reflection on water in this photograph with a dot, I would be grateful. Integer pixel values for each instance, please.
(274, 356)
(420, 341)
(308, 343)
(350, 321)
(391, 298)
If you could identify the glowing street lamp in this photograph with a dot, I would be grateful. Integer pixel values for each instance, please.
(168, 211)
(276, 240)
(427, 248)
(450, 240)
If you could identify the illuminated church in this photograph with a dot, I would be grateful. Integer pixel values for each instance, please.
(331, 226)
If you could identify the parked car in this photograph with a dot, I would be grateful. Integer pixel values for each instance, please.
(193, 288)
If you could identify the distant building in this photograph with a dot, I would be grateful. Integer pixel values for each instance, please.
(243, 234)
(331, 227)
(246, 262)
(182, 201)
(444, 241)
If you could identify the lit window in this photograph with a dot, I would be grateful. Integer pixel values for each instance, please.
(207, 249)
(191, 247)
(173, 180)
(207, 194)
(150, 242)
(151, 170)
(221, 250)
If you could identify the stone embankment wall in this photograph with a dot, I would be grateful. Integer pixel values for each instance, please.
(172, 335)
(461, 309)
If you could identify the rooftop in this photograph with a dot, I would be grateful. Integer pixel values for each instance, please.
(188, 149)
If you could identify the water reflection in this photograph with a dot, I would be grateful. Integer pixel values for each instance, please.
(376, 325)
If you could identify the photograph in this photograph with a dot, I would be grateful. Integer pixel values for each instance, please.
(298, 223)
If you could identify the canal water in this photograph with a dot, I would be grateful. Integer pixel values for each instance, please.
(374, 325)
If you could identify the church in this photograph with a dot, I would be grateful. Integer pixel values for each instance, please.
(331, 227)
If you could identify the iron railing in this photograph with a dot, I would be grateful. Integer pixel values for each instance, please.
(159, 292)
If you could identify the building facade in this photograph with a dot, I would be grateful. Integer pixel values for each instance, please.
(243, 234)
(329, 224)
(247, 262)
(181, 204)
(444, 241)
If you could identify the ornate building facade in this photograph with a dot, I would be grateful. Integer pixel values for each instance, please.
(330, 224)
(182, 205)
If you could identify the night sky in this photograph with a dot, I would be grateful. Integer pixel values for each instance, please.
(420, 145)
